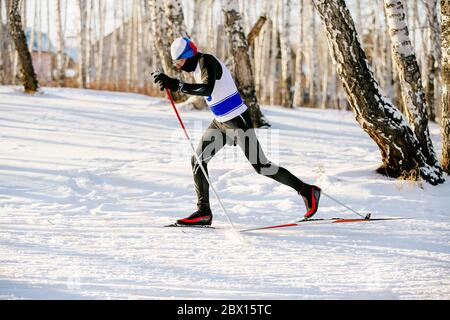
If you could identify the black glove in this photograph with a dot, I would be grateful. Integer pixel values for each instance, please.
(164, 81)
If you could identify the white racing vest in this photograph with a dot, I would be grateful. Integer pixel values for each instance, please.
(225, 101)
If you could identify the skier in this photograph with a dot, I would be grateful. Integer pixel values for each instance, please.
(231, 125)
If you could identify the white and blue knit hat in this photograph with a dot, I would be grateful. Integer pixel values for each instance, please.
(183, 48)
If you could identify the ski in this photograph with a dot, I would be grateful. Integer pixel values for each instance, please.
(321, 221)
(176, 225)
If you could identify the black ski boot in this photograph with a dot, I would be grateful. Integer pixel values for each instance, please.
(198, 218)
(311, 196)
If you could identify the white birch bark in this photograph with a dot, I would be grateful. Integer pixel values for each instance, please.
(2, 47)
(242, 66)
(401, 151)
(273, 82)
(445, 102)
(410, 77)
(433, 54)
(175, 19)
(313, 63)
(325, 79)
(60, 66)
(82, 43)
(265, 56)
(28, 76)
(160, 31)
(39, 35)
(129, 47)
(286, 59)
(102, 7)
(298, 91)
(89, 41)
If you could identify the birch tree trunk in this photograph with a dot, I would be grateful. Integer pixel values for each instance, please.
(18, 35)
(298, 95)
(60, 66)
(265, 54)
(445, 103)
(129, 47)
(2, 47)
(160, 30)
(175, 20)
(410, 77)
(313, 63)
(286, 59)
(433, 56)
(242, 65)
(273, 79)
(176, 27)
(89, 41)
(82, 43)
(99, 57)
(388, 73)
(401, 152)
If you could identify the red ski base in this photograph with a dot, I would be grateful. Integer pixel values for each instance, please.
(320, 221)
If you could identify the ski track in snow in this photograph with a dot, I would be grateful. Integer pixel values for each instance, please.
(88, 179)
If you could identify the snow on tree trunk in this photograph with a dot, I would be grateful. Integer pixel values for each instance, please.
(286, 59)
(242, 64)
(298, 91)
(433, 55)
(401, 152)
(410, 77)
(60, 66)
(445, 103)
(18, 35)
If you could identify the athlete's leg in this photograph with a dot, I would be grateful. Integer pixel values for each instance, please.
(212, 141)
(248, 142)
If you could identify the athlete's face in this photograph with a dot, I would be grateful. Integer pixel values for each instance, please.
(179, 63)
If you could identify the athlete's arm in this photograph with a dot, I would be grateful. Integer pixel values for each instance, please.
(210, 69)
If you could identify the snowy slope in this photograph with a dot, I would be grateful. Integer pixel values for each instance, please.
(87, 179)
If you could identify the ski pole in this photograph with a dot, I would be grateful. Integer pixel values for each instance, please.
(199, 161)
(367, 217)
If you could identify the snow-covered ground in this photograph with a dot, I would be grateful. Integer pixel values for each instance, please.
(88, 179)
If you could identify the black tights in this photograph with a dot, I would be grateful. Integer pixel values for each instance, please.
(235, 131)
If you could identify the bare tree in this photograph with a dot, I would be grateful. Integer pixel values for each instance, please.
(410, 77)
(433, 55)
(286, 59)
(298, 95)
(159, 28)
(26, 64)
(2, 46)
(401, 152)
(242, 65)
(175, 19)
(102, 7)
(60, 65)
(82, 63)
(445, 103)
(313, 63)
(273, 79)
